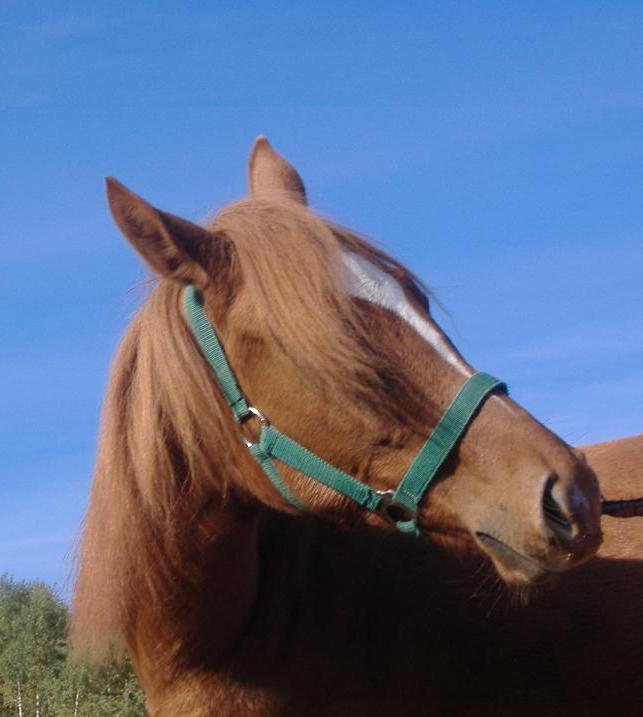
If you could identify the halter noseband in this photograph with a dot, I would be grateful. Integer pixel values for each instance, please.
(397, 506)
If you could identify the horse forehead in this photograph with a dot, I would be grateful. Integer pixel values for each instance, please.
(369, 282)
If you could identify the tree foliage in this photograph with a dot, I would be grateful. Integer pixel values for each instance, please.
(39, 677)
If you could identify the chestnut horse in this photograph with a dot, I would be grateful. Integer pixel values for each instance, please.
(619, 467)
(241, 591)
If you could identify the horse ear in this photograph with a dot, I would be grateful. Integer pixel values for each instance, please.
(270, 174)
(173, 247)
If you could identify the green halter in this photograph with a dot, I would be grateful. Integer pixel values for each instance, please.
(399, 506)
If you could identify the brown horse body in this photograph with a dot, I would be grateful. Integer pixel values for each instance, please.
(619, 467)
(230, 601)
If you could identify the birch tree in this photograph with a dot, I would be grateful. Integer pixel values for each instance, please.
(39, 678)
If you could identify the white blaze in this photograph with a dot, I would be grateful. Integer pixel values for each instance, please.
(367, 281)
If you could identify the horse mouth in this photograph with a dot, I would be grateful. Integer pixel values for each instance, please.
(513, 566)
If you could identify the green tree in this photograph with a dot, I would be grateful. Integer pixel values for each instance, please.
(38, 677)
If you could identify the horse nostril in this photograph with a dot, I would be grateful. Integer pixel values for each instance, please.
(554, 514)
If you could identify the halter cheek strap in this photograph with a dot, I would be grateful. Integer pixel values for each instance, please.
(399, 506)
(442, 441)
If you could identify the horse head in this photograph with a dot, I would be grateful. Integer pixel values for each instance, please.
(334, 343)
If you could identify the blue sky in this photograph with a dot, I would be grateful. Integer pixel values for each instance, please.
(496, 148)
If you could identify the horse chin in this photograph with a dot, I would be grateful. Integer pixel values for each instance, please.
(514, 567)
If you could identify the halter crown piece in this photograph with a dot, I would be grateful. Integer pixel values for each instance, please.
(397, 506)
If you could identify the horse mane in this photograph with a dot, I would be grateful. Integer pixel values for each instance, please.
(310, 315)
(166, 465)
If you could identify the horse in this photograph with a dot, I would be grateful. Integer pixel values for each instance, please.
(245, 582)
(590, 621)
(619, 467)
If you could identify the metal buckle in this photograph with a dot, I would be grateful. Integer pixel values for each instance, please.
(392, 511)
(253, 413)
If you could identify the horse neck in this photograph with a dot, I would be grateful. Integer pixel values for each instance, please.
(200, 616)
(331, 607)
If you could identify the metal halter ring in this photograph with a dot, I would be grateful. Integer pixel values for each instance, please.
(253, 412)
(392, 511)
